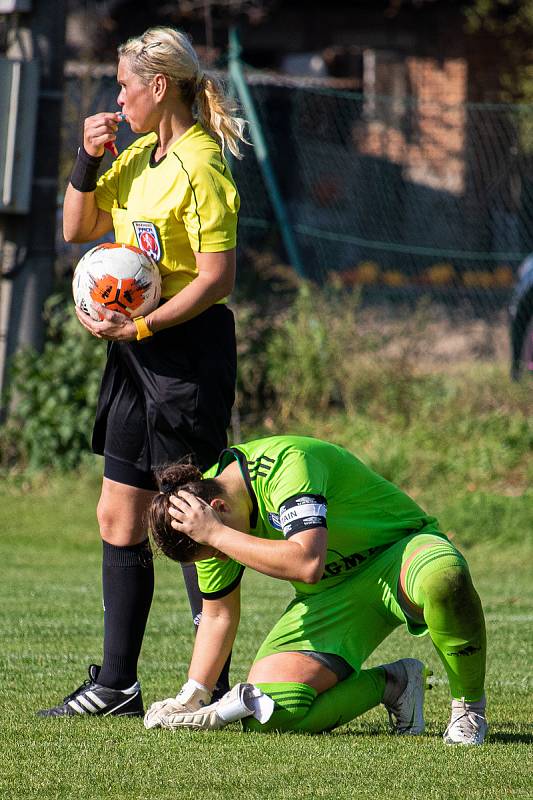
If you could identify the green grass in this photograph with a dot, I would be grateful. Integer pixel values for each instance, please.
(51, 628)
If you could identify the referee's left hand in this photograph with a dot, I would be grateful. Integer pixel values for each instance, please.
(112, 324)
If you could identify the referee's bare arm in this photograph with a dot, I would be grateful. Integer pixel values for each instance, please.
(215, 280)
(83, 221)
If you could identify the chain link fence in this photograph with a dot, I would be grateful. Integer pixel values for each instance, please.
(396, 197)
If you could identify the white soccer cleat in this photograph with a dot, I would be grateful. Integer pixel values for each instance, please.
(406, 714)
(189, 699)
(467, 726)
(244, 700)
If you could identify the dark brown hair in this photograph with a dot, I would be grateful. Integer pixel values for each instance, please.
(170, 480)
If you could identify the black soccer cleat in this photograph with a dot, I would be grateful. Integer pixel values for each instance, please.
(99, 701)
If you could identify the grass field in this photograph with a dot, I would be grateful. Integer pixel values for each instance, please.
(50, 629)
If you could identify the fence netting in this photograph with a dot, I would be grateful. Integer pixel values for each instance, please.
(400, 197)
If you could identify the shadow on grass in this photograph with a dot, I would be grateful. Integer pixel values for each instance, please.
(496, 737)
(510, 738)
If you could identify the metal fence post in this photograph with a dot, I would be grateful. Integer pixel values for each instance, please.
(27, 240)
(238, 81)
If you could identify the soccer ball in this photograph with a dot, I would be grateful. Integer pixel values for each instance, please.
(118, 276)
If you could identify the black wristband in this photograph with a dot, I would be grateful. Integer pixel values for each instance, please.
(85, 172)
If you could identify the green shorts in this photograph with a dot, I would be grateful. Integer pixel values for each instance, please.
(351, 619)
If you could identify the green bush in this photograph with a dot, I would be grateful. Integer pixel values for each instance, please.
(310, 360)
(301, 356)
(253, 328)
(53, 394)
(314, 355)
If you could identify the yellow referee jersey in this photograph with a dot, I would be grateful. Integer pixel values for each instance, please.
(186, 203)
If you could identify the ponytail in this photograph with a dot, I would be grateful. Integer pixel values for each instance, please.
(217, 113)
(170, 479)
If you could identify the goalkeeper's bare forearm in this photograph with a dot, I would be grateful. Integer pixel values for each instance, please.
(214, 638)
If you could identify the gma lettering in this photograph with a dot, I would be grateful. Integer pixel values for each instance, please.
(346, 563)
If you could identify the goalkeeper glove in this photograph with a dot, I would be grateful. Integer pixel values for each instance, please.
(244, 700)
(191, 697)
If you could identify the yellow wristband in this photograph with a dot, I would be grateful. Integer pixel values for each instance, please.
(143, 331)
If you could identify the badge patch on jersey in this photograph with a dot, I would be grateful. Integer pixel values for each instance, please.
(148, 239)
(301, 512)
(274, 521)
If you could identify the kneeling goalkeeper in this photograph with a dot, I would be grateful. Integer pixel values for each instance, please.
(363, 558)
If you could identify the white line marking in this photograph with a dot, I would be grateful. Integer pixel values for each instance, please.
(524, 684)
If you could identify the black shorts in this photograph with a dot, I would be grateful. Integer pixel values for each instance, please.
(167, 397)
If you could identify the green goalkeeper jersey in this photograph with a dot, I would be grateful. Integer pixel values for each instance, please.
(298, 483)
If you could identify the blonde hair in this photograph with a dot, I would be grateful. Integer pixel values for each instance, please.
(170, 52)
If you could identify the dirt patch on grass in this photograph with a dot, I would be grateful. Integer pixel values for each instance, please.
(434, 340)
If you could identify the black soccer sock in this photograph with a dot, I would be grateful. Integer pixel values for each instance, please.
(128, 587)
(195, 600)
(193, 591)
(222, 685)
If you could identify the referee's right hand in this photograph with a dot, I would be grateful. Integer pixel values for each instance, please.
(98, 130)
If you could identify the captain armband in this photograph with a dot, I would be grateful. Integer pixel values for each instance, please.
(301, 512)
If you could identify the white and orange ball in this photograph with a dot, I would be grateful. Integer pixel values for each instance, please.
(118, 276)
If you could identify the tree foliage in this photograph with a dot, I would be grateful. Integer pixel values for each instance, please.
(510, 24)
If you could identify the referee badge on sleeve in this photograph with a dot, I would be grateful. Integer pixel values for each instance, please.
(148, 239)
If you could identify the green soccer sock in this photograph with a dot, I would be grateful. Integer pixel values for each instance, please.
(440, 584)
(299, 709)
(293, 701)
(453, 614)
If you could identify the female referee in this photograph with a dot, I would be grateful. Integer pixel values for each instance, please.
(168, 386)
(363, 558)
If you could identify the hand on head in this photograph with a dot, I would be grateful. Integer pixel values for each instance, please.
(194, 517)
